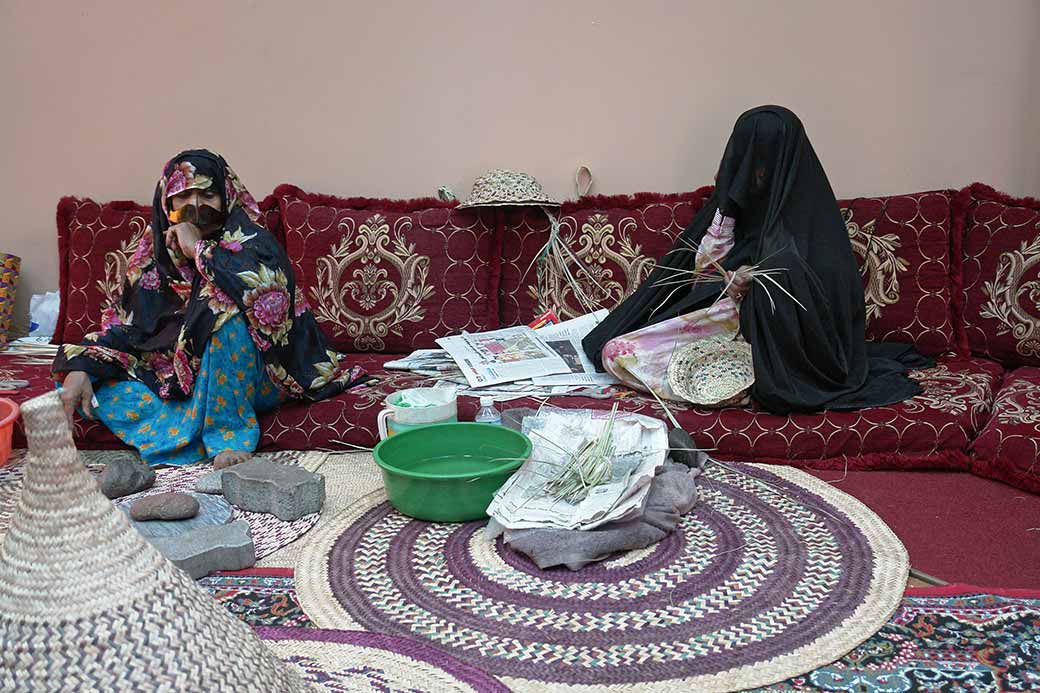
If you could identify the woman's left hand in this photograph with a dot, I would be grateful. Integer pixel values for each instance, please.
(186, 235)
(737, 283)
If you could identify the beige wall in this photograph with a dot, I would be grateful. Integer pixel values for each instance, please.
(397, 98)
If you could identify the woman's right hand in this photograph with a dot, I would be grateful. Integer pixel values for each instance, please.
(738, 282)
(183, 236)
(76, 390)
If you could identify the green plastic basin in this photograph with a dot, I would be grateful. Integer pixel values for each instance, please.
(449, 472)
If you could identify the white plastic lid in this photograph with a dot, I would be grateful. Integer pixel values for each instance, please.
(487, 401)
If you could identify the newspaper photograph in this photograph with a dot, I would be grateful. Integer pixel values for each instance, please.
(565, 339)
(503, 356)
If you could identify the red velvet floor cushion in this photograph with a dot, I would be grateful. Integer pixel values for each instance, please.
(932, 430)
(349, 418)
(1008, 449)
(391, 276)
(1001, 275)
(95, 241)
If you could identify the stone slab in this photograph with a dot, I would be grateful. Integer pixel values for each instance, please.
(286, 491)
(208, 549)
(210, 483)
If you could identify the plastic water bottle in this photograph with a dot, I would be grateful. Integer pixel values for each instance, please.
(487, 412)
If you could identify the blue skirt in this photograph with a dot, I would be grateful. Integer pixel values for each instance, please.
(232, 388)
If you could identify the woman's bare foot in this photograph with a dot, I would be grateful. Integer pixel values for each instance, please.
(230, 457)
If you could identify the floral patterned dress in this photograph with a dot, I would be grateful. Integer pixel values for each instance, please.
(196, 347)
(232, 388)
(640, 359)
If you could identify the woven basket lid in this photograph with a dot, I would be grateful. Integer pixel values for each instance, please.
(712, 372)
(500, 187)
(86, 604)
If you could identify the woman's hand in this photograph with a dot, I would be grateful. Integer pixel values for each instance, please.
(77, 390)
(185, 235)
(738, 282)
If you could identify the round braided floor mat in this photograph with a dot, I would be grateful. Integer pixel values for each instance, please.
(339, 660)
(773, 574)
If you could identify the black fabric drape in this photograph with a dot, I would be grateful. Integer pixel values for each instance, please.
(771, 182)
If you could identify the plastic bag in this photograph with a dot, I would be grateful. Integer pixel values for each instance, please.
(43, 314)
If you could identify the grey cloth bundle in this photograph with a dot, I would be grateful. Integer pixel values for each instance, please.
(673, 493)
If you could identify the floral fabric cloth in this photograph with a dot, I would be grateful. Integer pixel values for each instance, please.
(231, 390)
(640, 359)
(171, 305)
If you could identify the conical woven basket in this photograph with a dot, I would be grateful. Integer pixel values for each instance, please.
(86, 604)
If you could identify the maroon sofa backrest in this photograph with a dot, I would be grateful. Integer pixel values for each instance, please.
(1000, 296)
(391, 276)
(902, 243)
(617, 239)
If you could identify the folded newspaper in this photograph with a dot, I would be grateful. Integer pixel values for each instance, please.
(641, 446)
(551, 355)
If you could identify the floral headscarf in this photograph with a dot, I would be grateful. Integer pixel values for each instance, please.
(197, 169)
(171, 305)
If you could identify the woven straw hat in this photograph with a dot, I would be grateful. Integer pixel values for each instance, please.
(86, 604)
(500, 187)
(712, 372)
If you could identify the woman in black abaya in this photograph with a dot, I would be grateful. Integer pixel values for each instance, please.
(773, 209)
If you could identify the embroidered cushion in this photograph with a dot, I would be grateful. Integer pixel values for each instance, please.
(95, 241)
(390, 277)
(1001, 275)
(1008, 448)
(616, 241)
(902, 244)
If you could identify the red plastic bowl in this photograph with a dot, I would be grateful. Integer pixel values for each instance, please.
(8, 415)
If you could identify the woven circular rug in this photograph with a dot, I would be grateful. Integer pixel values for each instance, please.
(269, 533)
(339, 660)
(773, 574)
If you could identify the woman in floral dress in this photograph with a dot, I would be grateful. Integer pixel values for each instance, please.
(210, 330)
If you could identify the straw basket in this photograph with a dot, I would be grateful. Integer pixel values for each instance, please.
(712, 372)
(9, 270)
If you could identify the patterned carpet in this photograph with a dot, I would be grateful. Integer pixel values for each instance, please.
(956, 638)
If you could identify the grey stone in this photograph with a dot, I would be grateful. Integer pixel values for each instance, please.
(164, 506)
(125, 475)
(208, 549)
(213, 510)
(210, 483)
(286, 491)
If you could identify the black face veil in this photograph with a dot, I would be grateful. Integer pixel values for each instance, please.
(809, 351)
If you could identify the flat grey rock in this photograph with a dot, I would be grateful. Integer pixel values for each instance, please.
(208, 549)
(210, 483)
(125, 475)
(213, 510)
(286, 491)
